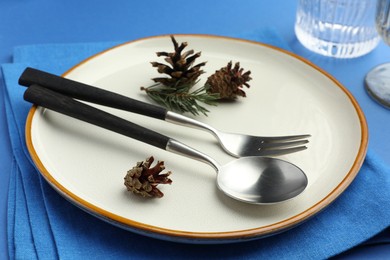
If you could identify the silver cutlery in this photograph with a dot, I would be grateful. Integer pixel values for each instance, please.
(255, 179)
(237, 145)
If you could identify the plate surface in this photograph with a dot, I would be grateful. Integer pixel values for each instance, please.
(288, 96)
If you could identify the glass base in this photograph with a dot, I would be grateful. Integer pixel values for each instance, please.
(378, 84)
(336, 49)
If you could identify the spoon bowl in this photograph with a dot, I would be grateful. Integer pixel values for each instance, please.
(261, 180)
(254, 179)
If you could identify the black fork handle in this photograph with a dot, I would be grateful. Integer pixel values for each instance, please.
(68, 106)
(89, 93)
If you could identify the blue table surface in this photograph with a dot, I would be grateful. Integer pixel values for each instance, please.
(27, 22)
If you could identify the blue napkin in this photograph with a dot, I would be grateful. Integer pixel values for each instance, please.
(41, 224)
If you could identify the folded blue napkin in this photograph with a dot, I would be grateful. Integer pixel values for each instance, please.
(41, 224)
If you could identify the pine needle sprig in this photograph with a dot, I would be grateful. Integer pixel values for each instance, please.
(179, 98)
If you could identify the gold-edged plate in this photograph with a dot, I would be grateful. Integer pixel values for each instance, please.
(288, 96)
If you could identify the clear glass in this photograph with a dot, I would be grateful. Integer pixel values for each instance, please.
(337, 28)
(383, 20)
(378, 79)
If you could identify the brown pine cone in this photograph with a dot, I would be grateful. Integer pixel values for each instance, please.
(228, 82)
(180, 66)
(143, 180)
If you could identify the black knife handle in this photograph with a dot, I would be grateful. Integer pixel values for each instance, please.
(68, 106)
(89, 93)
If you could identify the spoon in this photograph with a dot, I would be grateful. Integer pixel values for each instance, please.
(256, 180)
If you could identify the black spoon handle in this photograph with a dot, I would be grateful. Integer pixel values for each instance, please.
(89, 93)
(66, 105)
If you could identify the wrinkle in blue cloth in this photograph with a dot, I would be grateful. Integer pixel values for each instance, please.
(44, 225)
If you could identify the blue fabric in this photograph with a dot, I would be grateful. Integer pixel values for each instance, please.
(41, 224)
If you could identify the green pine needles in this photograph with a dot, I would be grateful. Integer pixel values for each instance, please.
(180, 98)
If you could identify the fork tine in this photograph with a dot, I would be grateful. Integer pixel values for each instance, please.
(285, 138)
(276, 152)
(263, 145)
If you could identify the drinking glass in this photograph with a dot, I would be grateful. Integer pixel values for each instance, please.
(337, 28)
(378, 79)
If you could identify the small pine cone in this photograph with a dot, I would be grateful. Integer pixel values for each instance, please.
(180, 66)
(143, 180)
(228, 82)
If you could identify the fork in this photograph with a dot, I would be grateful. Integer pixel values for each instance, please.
(237, 145)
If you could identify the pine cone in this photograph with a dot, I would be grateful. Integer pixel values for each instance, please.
(143, 180)
(228, 82)
(180, 67)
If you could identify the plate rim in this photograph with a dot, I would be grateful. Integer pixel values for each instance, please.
(206, 237)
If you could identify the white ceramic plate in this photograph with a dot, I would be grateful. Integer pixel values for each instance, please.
(288, 96)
